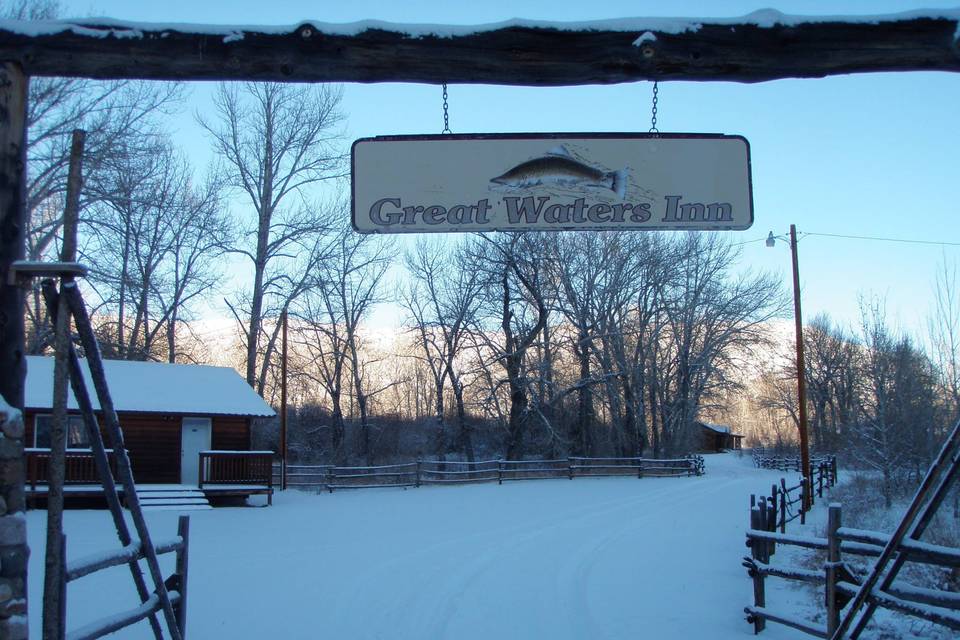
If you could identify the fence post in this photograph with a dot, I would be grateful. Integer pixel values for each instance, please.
(570, 463)
(832, 566)
(330, 475)
(417, 480)
(776, 500)
(784, 496)
(499, 471)
(820, 471)
(764, 526)
(803, 500)
(756, 551)
(812, 494)
(639, 468)
(183, 555)
(833, 471)
(62, 613)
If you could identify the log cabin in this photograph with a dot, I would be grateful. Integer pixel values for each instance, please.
(715, 438)
(186, 428)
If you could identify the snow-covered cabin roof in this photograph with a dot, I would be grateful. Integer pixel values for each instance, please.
(155, 387)
(719, 428)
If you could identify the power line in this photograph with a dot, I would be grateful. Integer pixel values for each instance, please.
(838, 235)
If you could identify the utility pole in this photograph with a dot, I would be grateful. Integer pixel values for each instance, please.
(801, 374)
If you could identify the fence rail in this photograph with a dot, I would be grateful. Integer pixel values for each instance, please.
(425, 472)
(840, 582)
(779, 462)
(131, 554)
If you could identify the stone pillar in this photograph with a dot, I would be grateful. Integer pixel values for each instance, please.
(13, 527)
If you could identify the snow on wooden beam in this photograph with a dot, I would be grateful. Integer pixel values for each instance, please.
(765, 45)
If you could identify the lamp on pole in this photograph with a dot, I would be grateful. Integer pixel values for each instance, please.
(801, 370)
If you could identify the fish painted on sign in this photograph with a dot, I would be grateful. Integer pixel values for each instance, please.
(560, 168)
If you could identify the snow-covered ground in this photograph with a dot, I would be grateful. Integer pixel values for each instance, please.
(589, 558)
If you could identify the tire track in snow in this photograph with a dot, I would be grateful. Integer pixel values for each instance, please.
(458, 583)
(575, 573)
(428, 607)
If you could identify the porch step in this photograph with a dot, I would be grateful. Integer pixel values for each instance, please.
(172, 499)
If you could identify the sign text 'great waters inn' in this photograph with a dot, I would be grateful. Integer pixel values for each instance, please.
(406, 184)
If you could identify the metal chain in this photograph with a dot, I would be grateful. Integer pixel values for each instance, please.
(446, 111)
(653, 113)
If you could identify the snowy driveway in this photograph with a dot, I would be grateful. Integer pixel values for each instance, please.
(589, 558)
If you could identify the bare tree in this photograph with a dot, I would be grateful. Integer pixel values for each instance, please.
(277, 140)
(319, 334)
(514, 274)
(442, 301)
(630, 325)
(944, 334)
(151, 238)
(111, 113)
(340, 293)
(713, 319)
(832, 367)
(881, 438)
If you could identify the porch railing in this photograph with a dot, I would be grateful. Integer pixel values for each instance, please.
(80, 467)
(236, 468)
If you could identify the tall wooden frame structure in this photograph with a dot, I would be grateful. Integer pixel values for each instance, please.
(759, 47)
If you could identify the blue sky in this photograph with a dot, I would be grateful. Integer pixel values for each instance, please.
(867, 155)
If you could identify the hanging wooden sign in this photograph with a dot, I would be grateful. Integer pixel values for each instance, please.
(445, 183)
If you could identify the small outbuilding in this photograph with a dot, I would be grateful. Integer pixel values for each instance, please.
(186, 425)
(717, 437)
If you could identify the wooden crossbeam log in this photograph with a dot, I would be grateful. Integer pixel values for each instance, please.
(24, 271)
(762, 46)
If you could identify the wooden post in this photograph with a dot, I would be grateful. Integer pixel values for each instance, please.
(13, 223)
(56, 470)
(756, 551)
(776, 502)
(784, 497)
(801, 374)
(499, 471)
(764, 526)
(183, 558)
(419, 466)
(803, 500)
(832, 566)
(62, 588)
(639, 468)
(570, 463)
(283, 406)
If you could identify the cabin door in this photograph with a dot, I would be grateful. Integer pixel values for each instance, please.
(194, 438)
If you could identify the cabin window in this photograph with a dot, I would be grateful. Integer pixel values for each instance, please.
(76, 432)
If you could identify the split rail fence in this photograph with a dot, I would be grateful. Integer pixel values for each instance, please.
(839, 581)
(879, 587)
(423, 472)
(131, 554)
(785, 503)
